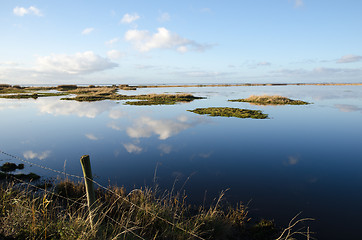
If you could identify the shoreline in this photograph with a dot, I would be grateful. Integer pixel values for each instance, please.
(185, 85)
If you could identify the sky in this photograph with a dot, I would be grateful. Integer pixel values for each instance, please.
(180, 42)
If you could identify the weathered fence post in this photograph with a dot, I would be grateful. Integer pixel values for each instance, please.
(88, 179)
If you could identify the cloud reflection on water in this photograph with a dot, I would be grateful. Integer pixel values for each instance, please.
(57, 107)
(145, 127)
(348, 108)
(132, 148)
(31, 155)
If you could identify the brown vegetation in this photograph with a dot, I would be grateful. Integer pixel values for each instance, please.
(270, 100)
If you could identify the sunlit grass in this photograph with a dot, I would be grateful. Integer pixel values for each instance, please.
(230, 112)
(270, 100)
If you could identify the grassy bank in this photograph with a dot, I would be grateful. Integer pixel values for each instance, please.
(33, 209)
(230, 112)
(270, 100)
(58, 211)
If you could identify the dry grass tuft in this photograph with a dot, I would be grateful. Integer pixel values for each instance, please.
(270, 100)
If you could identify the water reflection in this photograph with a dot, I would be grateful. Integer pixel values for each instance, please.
(348, 108)
(32, 155)
(91, 136)
(306, 158)
(145, 127)
(132, 148)
(58, 107)
(165, 148)
(10, 104)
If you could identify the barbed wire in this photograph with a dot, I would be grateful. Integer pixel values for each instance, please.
(73, 201)
(46, 191)
(107, 189)
(40, 166)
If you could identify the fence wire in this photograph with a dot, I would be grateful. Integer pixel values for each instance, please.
(103, 187)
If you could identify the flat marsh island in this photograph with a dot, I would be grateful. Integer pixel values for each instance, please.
(93, 93)
(230, 112)
(270, 100)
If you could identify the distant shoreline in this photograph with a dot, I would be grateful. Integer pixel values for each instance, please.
(250, 84)
(191, 85)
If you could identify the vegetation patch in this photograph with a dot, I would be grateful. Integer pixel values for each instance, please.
(60, 212)
(91, 94)
(270, 100)
(10, 167)
(33, 95)
(230, 112)
(20, 176)
(66, 87)
(162, 99)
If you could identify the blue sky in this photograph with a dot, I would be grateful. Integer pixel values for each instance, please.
(168, 42)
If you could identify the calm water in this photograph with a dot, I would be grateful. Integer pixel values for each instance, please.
(304, 158)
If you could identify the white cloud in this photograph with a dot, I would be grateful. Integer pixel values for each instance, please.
(79, 63)
(131, 148)
(9, 64)
(264, 63)
(298, 3)
(206, 10)
(129, 18)
(144, 41)
(91, 137)
(112, 41)
(202, 74)
(145, 127)
(21, 11)
(164, 17)
(349, 59)
(114, 54)
(87, 31)
(32, 155)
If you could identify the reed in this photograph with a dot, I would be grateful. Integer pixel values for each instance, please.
(58, 211)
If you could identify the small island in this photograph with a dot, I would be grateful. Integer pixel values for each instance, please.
(270, 100)
(230, 112)
(93, 93)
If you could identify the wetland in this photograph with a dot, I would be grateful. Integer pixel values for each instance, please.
(304, 158)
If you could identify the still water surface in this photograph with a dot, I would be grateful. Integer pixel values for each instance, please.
(302, 159)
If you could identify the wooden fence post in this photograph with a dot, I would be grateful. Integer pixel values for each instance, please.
(88, 179)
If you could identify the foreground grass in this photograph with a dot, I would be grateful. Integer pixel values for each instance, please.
(270, 100)
(58, 210)
(60, 213)
(230, 112)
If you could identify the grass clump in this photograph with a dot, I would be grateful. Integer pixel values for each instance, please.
(270, 100)
(162, 99)
(66, 87)
(230, 112)
(10, 167)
